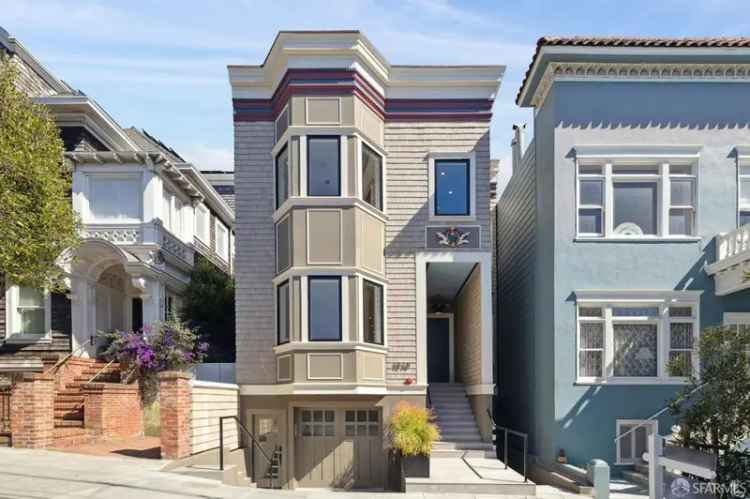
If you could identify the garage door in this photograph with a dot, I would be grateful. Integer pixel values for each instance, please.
(339, 448)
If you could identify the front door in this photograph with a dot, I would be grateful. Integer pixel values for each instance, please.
(438, 350)
(266, 431)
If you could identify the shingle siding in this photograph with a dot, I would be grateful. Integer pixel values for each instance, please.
(407, 179)
(254, 253)
(468, 331)
(29, 82)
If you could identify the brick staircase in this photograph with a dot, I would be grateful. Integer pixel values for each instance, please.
(69, 399)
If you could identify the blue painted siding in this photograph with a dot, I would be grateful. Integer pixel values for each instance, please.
(716, 116)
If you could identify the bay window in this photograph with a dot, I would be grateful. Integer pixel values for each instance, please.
(323, 166)
(282, 313)
(324, 308)
(636, 200)
(372, 312)
(115, 197)
(222, 241)
(172, 212)
(282, 177)
(372, 177)
(652, 341)
(202, 223)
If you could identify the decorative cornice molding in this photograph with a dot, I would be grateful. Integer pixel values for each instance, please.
(349, 82)
(575, 71)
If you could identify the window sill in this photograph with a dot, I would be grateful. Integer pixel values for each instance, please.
(328, 345)
(18, 339)
(632, 382)
(585, 239)
(452, 218)
(327, 202)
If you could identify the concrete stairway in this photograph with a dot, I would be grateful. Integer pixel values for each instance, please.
(458, 426)
(69, 400)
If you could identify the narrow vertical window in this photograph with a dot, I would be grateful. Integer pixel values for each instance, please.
(282, 176)
(323, 166)
(372, 177)
(282, 313)
(590, 201)
(682, 201)
(324, 308)
(681, 341)
(372, 312)
(744, 215)
(452, 184)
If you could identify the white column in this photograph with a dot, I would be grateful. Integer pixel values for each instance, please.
(79, 303)
(153, 302)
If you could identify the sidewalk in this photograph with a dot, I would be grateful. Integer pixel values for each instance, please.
(49, 474)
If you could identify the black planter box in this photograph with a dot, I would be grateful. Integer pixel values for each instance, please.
(416, 466)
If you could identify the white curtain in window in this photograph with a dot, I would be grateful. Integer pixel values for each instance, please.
(115, 198)
(31, 311)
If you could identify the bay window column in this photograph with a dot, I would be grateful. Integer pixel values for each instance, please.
(154, 294)
(665, 198)
(609, 196)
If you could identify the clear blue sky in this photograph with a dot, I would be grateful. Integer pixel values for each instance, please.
(161, 65)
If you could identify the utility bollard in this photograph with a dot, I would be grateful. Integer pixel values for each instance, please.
(598, 474)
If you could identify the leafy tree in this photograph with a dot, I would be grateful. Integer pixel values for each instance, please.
(208, 306)
(37, 221)
(716, 418)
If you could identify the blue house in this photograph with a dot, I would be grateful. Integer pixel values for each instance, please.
(621, 235)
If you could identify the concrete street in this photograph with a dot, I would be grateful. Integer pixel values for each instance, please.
(46, 474)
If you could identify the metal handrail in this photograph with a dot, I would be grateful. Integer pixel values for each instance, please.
(68, 356)
(100, 371)
(658, 413)
(507, 431)
(247, 432)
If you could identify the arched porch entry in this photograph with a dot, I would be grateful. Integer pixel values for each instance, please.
(105, 281)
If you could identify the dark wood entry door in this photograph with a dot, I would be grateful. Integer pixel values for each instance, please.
(438, 350)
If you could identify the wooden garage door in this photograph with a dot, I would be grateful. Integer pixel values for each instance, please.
(339, 448)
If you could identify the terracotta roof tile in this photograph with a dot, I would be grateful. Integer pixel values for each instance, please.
(617, 41)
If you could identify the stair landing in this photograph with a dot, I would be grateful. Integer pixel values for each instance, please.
(471, 474)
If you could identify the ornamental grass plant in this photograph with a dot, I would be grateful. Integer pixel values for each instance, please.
(411, 430)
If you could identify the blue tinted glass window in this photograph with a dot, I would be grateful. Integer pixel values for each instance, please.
(282, 313)
(324, 308)
(323, 166)
(452, 187)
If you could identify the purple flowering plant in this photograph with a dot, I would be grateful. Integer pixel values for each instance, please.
(165, 346)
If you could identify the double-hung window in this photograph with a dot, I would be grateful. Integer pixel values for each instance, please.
(222, 241)
(28, 313)
(744, 195)
(372, 177)
(115, 198)
(324, 308)
(202, 223)
(323, 166)
(636, 200)
(652, 341)
(372, 312)
(282, 177)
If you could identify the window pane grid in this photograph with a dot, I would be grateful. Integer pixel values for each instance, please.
(318, 423)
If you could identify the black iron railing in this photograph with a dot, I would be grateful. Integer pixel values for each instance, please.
(274, 463)
(496, 429)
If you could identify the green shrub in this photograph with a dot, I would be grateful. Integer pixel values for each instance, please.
(411, 431)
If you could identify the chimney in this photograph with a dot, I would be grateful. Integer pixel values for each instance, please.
(517, 145)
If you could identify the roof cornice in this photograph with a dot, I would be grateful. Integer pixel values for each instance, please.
(213, 198)
(534, 95)
(353, 51)
(61, 105)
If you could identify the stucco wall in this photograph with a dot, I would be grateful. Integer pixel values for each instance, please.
(713, 115)
(210, 401)
(408, 146)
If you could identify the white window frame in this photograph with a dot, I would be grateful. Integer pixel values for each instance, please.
(92, 178)
(661, 157)
(202, 212)
(13, 318)
(737, 319)
(222, 233)
(630, 438)
(437, 156)
(304, 165)
(742, 161)
(360, 322)
(661, 299)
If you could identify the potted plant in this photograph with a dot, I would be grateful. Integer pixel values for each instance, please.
(412, 435)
